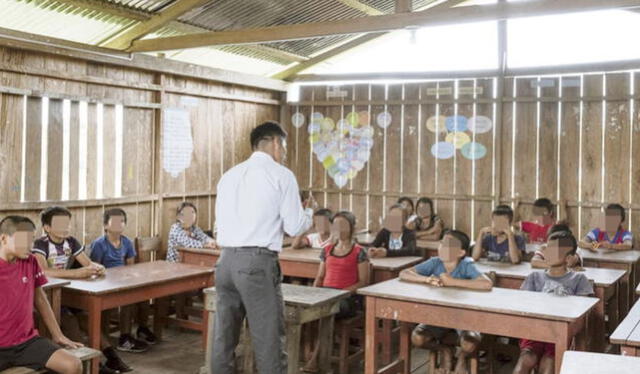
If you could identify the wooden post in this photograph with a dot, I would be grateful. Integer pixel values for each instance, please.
(502, 66)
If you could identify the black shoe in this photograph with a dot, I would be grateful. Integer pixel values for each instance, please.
(128, 343)
(104, 369)
(114, 362)
(145, 335)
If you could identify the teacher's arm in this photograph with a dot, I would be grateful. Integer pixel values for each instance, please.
(296, 219)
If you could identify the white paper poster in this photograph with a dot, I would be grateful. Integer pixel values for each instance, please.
(177, 141)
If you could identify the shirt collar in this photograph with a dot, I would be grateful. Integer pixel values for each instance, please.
(259, 155)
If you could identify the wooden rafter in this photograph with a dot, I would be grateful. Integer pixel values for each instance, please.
(155, 22)
(364, 8)
(385, 22)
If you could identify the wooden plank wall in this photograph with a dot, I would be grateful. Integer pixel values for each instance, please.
(94, 95)
(572, 138)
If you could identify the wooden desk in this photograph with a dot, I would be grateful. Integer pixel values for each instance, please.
(302, 305)
(624, 260)
(430, 247)
(131, 284)
(501, 311)
(627, 334)
(53, 289)
(598, 363)
(304, 263)
(605, 286)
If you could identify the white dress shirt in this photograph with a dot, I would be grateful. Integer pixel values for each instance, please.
(258, 201)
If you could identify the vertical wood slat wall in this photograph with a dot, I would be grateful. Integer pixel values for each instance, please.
(222, 116)
(572, 138)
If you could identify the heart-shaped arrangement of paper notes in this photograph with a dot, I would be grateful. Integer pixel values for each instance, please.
(343, 147)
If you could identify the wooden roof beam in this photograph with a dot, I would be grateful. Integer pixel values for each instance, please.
(387, 22)
(364, 8)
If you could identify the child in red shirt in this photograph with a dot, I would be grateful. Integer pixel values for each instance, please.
(344, 265)
(22, 279)
(538, 229)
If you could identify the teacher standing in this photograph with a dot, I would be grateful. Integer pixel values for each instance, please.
(257, 202)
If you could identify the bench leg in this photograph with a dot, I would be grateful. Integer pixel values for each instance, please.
(325, 339)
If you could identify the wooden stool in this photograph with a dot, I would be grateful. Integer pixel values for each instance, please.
(345, 330)
(84, 354)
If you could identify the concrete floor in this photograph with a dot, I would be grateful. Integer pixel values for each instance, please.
(181, 353)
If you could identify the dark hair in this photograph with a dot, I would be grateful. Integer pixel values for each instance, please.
(426, 200)
(617, 207)
(557, 228)
(47, 215)
(185, 204)
(9, 225)
(543, 202)
(503, 210)
(565, 235)
(461, 236)
(323, 213)
(398, 206)
(113, 212)
(350, 217)
(267, 130)
(407, 199)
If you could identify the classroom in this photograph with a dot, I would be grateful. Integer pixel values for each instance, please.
(319, 186)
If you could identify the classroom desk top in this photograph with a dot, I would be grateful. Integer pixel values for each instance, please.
(628, 331)
(136, 276)
(499, 300)
(55, 283)
(598, 363)
(600, 276)
(304, 296)
(626, 257)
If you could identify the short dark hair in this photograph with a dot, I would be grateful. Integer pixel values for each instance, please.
(398, 206)
(185, 204)
(565, 236)
(267, 130)
(113, 212)
(324, 212)
(557, 228)
(9, 225)
(503, 210)
(619, 208)
(543, 202)
(407, 199)
(350, 217)
(47, 215)
(461, 236)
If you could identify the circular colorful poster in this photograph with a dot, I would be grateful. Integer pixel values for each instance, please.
(384, 119)
(316, 116)
(314, 127)
(443, 150)
(474, 151)
(297, 120)
(437, 124)
(458, 139)
(456, 123)
(480, 124)
(363, 118)
(340, 179)
(328, 124)
(353, 118)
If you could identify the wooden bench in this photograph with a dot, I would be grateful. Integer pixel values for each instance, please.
(84, 354)
(627, 335)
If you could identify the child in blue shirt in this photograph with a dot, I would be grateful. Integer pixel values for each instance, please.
(450, 269)
(114, 249)
(498, 242)
(610, 235)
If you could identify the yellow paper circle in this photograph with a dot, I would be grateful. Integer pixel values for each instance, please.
(458, 139)
(437, 124)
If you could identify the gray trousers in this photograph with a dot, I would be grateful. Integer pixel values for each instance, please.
(248, 283)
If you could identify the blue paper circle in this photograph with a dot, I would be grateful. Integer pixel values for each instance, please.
(456, 123)
(443, 150)
(474, 151)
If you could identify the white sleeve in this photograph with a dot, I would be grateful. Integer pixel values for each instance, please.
(296, 220)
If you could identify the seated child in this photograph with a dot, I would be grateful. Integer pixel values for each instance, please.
(185, 233)
(407, 204)
(56, 253)
(394, 239)
(499, 242)
(112, 250)
(450, 269)
(574, 262)
(22, 279)
(558, 280)
(428, 225)
(609, 233)
(322, 235)
(536, 231)
(344, 265)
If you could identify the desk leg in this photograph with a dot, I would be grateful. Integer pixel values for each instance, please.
(371, 340)
(209, 349)
(94, 324)
(325, 339)
(562, 345)
(56, 303)
(405, 346)
(624, 292)
(598, 324)
(613, 310)
(293, 347)
(160, 315)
